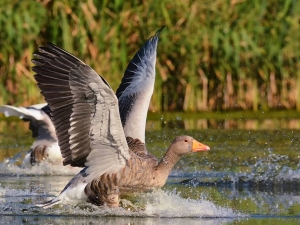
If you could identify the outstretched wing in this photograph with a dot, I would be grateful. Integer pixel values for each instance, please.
(84, 110)
(135, 91)
(46, 109)
(39, 122)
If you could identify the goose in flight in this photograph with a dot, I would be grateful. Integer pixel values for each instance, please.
(88, 119)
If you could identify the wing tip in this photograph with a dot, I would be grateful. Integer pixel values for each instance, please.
(160, 30)
(156, 35)
(48, 204)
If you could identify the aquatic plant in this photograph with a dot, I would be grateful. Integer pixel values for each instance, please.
(213, 55)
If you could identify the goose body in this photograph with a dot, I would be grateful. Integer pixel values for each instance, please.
(45, 147)
(102, 133)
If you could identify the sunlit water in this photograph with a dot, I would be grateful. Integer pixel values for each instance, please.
(250, 176)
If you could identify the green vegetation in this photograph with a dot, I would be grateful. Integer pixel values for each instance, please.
(213, 55)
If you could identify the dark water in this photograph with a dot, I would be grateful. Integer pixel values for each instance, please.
(251, 175)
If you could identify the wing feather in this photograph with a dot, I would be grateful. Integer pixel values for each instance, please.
(135, 91)
(84, 111)
(40, 123)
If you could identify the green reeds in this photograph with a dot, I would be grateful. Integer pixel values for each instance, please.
(212, 55)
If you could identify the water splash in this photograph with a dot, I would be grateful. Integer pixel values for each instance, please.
(272, 170)
(9, 167)
(268, 168)
(159, 204)
(37, 220)
(169, 204)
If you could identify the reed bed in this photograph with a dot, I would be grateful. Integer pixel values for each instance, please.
(213, 55)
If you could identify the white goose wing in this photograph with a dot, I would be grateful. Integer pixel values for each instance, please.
(40, 124)
(84, 110)
(136, 89)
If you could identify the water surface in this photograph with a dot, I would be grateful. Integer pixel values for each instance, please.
(250, 176)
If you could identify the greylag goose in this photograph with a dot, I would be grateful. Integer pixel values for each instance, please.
(85, 113)
(45, 147)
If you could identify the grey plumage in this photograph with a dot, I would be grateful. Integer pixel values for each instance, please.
(45, 146)
(86, 115)
(136, 89)
(77, 94)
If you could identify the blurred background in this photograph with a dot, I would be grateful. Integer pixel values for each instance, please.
(219, 55)
(228, 74)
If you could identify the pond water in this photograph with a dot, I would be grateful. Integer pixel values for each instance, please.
(251, 175)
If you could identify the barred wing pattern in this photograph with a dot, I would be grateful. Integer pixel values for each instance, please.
(84, 110)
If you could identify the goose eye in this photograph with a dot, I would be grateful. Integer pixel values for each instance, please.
(185, 141)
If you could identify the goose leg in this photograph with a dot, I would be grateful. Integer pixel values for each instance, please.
(100, 193)
(112, 198)
(38, 154)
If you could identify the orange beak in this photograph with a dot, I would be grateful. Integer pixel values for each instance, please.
(198, 147)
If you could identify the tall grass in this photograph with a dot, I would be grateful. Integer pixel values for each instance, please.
(213, 55)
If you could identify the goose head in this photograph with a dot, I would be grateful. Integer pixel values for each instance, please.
(182, 145)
